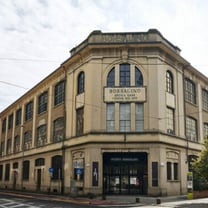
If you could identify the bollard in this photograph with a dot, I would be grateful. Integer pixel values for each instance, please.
(158, 201)
(137, 200)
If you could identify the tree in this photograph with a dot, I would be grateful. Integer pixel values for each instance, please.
(200, 166)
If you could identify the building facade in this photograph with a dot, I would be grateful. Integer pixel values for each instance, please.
(123, 115)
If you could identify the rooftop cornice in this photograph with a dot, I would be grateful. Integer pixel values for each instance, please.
(97, 37)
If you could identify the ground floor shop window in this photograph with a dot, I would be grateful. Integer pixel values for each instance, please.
(125, 173)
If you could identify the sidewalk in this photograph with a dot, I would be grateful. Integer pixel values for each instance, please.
(109, 199)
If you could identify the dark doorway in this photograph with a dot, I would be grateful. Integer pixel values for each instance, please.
(38, 179)
(125, 173)
(14, 179)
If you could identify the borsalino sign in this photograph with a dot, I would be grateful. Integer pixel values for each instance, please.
(125, 94)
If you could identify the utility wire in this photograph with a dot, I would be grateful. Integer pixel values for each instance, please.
(14, 85)
(33, 60)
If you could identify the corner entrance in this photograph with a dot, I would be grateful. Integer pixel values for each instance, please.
(125, 173)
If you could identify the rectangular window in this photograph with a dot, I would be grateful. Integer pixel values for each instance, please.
(79, 121)
(154, 174)
(206, 130)
(41, 136)
(9, 146)
(27, 140)
(169, 171)
(191, 129)
(10, 124)
(2, 148)
(18, 117)
(42, 102)
(205, 100)
(190, 91)
(29, 111)
(16, 144)
(1, 172)
(170, 120)
(110, 117)
(124, 75)
(7, 172)
(58, 130)
(125, 117)
(139, 116)
(59, 94)
(4, 126)
(175, 171)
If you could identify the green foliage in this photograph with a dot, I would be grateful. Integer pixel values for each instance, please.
(200, 166)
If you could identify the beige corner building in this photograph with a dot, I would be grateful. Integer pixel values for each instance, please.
(123, 115)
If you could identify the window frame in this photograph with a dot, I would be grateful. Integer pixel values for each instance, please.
(41, 137)
(27, 140)
(80, 82)
(138, 77)
(204, 99)
(29, 111)
(170, 120)
(190, 91)
(124, 117)
(18, 117)
(169, 82)
(16, 147)
(191, 129)
(80, 121)
(59, 93)
(10, 121)
(58, 134)
(139, 117)
(43, 102)
(110, 117)
(125, 75)
(3, 128)
(111, 78)
(205, 130)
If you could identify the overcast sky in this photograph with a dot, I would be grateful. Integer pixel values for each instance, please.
(37, 35)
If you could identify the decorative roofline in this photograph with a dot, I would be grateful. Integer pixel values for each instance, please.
(97, 37)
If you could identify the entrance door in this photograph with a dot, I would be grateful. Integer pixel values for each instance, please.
(14, 179)
(38, 179)
(125, 173)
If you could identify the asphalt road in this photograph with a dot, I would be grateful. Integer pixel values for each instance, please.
(22, 202)
(30, 201)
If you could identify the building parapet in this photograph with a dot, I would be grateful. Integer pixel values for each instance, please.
(97, 37)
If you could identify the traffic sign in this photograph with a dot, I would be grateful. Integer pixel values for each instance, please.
(50, 170)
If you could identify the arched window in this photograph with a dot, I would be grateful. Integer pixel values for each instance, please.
(111, 78)
(80, 83)
(138, 78)
(169, 82)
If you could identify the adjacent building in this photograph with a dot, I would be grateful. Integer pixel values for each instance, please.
(125, 114)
